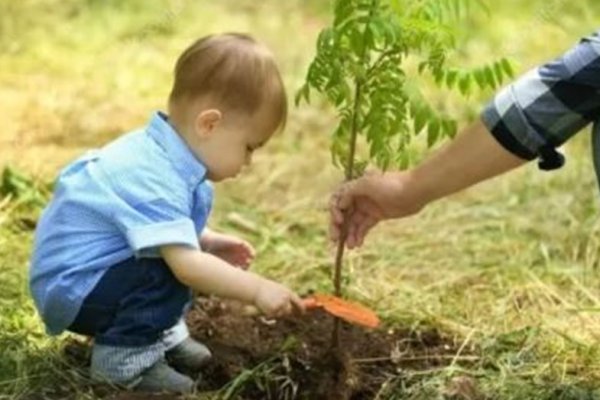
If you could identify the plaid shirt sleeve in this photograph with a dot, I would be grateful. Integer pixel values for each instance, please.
(548, 105)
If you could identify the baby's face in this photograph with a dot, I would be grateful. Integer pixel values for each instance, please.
(231, 146)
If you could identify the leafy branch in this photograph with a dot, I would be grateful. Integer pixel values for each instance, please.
(359, 67)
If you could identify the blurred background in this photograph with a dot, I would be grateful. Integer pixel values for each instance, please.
(509, 267)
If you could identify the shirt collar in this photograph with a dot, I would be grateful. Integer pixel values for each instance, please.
(185, 162)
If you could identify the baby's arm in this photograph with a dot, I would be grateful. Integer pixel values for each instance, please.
(211, 275)
(206, 233)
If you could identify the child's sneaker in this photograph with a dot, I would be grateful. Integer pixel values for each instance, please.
(189, 355)
(162, 378)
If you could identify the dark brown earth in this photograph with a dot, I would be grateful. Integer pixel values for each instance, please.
(291, 358)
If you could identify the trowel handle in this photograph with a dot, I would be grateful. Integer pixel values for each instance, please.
(309, 303)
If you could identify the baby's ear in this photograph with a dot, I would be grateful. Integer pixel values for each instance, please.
(206, 122)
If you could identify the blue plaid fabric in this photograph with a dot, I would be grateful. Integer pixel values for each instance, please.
(548, 105)
(144, 190)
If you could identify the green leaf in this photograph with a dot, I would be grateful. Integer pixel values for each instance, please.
(378, 29)
(451, 77)
(420, 119)
(433, 132)
(499, 72)
(450, 127)
(303, 93)
(356, 41)
(438, 77)
(506, 65)
(464, 84)
(479, 76)
(390, 114)
(489, 76)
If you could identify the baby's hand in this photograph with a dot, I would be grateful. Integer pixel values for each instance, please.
(229, 248)
(276, 300)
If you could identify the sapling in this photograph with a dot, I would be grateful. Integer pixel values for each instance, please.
(364, 68)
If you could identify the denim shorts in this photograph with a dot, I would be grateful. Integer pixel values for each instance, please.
(133, 304)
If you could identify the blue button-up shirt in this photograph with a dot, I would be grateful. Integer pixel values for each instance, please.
(141, 191)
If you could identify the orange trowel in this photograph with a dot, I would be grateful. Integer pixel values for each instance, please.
(346, 310)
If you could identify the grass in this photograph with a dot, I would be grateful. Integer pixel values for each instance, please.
(509, 268)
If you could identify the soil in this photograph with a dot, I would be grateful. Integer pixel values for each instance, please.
(291, 358)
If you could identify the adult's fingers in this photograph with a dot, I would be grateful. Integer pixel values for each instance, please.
(250, 249)
(336, 217)
(334, 230)
(343, 206)
(336, 213)
(366, 225)
(353, 224)
(346, 194)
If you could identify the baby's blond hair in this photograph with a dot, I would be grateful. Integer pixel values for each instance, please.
(232, 70)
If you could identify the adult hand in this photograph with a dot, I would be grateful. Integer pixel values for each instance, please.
(366, 201)
(472, 157)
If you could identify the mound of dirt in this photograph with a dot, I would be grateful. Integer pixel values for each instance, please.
(292, 358)
(255, 358)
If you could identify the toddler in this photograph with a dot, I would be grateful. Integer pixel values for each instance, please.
(124, 241)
